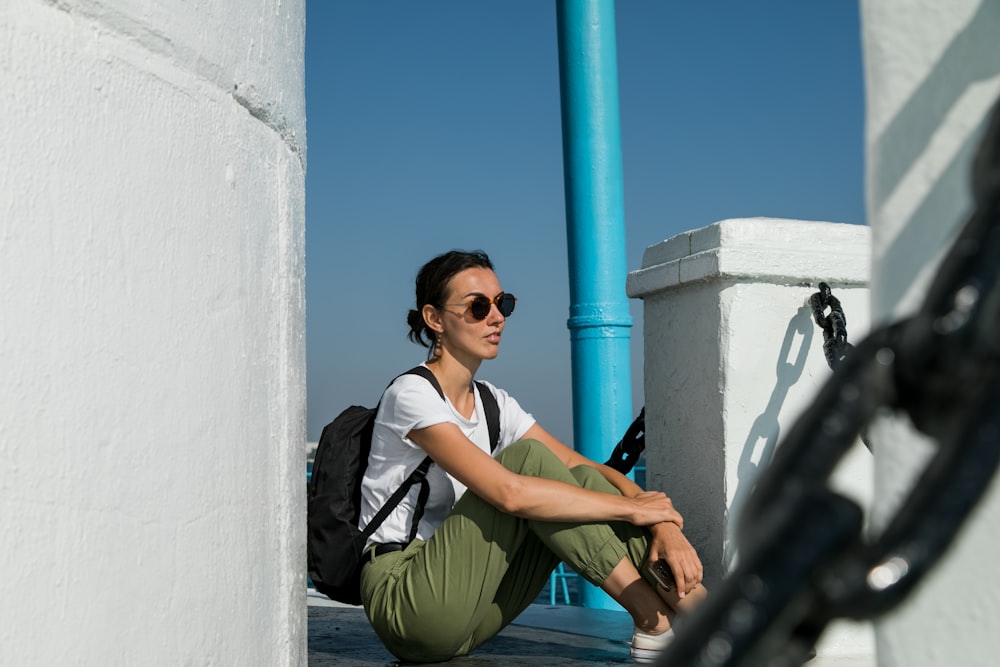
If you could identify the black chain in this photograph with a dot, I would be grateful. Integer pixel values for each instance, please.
(834, 325)
(628, 450)
(803, 560)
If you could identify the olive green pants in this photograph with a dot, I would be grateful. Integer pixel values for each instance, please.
(481, 568)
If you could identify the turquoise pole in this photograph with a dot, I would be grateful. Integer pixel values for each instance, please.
(599, 320)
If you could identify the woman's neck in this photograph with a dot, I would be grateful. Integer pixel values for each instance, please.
(455, 378)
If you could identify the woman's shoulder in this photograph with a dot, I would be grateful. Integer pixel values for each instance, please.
(410, 382)
(412, 399)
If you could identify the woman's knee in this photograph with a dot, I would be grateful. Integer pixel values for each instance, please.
(591, 478)
(527, 457)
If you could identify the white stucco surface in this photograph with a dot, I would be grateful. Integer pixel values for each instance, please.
(932, 72)
(152, 161)
(732, 357)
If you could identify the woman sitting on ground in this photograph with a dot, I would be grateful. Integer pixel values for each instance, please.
(494, 527)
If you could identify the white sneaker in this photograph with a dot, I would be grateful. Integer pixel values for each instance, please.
(647, 647)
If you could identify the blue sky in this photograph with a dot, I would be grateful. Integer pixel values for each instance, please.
(436, 125)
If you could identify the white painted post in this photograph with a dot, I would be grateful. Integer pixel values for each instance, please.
(732, 356)
(152, 160)
(932, 72)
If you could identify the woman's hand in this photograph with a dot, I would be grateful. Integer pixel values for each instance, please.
(653, 507)
(670, 544)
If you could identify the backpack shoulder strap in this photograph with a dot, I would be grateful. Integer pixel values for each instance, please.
(492, 410)
(418, 476)
(425, 373)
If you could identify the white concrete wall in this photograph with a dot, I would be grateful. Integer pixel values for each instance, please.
(732, 357)
(932, 71)
(152, 159)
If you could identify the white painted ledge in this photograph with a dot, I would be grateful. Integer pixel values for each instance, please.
(765, 249)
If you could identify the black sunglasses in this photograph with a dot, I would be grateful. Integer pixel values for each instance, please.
(480, 306)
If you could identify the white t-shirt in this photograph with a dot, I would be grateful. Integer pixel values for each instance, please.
(411, 402)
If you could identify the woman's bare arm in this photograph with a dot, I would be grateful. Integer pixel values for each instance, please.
(534, 497)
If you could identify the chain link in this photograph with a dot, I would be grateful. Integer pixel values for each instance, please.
(834, 325)
(629, 449)
(803, 559)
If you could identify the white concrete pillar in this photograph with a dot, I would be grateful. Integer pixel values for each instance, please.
(152, 159)
(932, 72)
(732, 356)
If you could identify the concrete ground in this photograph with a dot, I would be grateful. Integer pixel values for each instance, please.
(339, 635)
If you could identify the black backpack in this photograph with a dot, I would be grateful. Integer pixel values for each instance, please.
(334, 542)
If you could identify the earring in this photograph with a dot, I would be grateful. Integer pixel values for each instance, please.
(435, 349)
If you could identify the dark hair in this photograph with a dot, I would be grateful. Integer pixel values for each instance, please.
(432, 287)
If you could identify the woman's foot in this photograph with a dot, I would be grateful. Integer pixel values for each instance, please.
(647, 647)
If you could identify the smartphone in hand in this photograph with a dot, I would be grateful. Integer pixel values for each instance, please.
(661, 572)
